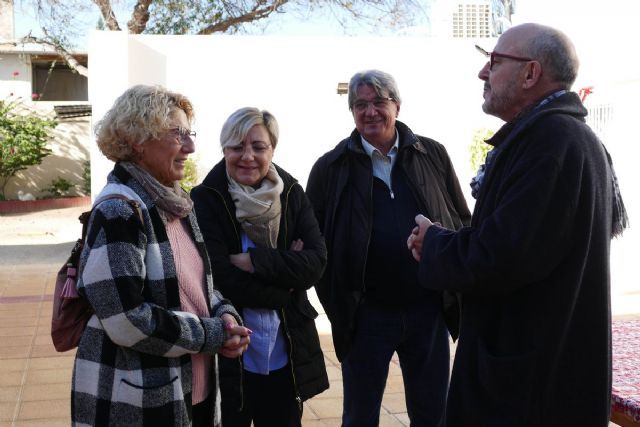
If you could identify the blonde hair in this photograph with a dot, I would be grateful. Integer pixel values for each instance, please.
(140, 114)
(238, 125)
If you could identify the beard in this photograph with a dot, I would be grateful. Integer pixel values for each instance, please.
(499, 101)
(496, 102)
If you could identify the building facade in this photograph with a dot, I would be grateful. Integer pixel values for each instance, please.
(471, 19)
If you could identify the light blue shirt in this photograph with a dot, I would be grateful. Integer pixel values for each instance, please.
(268, 348)
(382, 164)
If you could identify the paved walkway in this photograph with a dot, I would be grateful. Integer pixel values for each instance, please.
(35, 379)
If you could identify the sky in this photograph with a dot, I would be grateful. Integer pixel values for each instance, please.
(583, 18)
(580, 19)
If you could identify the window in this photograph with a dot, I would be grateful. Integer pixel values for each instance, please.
(53, 80)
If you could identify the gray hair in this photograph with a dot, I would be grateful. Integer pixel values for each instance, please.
(553, 49)
(384, 85)
(238, 125)
(140, 114)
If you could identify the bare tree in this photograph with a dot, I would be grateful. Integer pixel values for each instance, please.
(61, 20)
(501, 11)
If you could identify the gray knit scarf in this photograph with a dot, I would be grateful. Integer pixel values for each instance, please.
(173, 202)
(258, 209)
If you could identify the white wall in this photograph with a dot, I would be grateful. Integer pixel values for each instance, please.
(15, 86)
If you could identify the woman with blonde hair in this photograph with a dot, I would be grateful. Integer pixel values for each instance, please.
(148, 354)
(266, 249)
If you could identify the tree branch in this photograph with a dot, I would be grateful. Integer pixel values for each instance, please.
(107, 14)
(140, 17)
(68, 58)
(258, 12)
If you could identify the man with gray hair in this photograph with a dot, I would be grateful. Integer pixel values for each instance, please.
(365, 194)
(533, 267)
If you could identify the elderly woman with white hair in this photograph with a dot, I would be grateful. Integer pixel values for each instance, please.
(148, 354)
(266, 249)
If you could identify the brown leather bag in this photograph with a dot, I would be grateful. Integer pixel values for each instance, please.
(71, 311)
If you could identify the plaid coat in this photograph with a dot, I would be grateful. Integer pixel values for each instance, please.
(133, 364)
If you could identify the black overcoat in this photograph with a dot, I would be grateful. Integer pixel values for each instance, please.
(533, 270)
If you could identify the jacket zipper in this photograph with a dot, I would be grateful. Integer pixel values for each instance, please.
(284, 318)
(240, 363)
(393, 196)
(241, 366)
(285, 210)
(293, 375)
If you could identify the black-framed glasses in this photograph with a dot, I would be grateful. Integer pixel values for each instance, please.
(493, 55)
(184, 135)
(378, 103)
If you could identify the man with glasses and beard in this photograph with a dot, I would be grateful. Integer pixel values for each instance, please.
(533, 267)
(365, 194)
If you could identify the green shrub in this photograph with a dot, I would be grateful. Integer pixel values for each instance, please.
(190, 179)
(59, 187)
(23, 140)
(478, 148)
(86, 178)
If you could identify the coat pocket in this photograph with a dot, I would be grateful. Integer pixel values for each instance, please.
(506, 379)
(151, 392)
(305, 343)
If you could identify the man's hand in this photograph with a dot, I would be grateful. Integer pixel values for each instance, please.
(416, 238)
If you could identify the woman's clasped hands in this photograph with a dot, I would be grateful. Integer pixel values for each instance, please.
(237, 338)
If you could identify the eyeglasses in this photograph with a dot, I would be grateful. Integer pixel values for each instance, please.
(255, 148)
(184, 135)
(493, 55)
(378, 103)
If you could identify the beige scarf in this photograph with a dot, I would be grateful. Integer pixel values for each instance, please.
(173, 202)
(258, 210)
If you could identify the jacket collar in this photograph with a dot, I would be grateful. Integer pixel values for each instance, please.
(569, 104)
(353, 143)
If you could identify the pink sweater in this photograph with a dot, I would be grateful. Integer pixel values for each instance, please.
(190, 273)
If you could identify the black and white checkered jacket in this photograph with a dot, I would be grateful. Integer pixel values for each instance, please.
(133, 364)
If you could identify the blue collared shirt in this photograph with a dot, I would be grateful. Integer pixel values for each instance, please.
(382, 164)
(268, 348)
